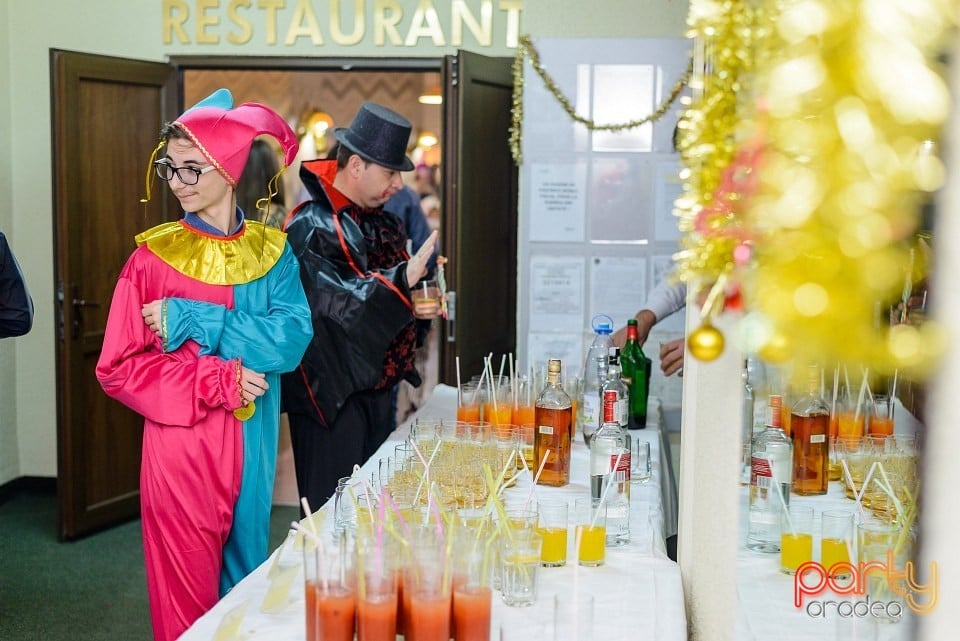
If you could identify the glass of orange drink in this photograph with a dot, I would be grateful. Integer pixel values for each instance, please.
(796, 537)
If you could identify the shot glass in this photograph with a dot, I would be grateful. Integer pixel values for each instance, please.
(520, 562)
(591, 531)
(573, 617)
(881, 416)
(796, 537)
(836, 542)
(552, 527)
(639, 460)
(426, 298)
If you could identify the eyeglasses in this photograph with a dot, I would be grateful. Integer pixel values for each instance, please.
(187, 175)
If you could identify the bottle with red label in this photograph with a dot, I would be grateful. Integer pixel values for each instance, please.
(610, 471)
(771, 471)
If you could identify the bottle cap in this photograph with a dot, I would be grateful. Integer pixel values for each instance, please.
(553, 366)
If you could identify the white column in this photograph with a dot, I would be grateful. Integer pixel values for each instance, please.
(940, 473)
(709, 487)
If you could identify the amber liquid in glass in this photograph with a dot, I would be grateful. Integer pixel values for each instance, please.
(811, 453)
(553, 431)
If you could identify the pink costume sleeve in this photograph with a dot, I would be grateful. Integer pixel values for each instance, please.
(178, 388)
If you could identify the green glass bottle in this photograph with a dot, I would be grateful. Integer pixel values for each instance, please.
(636, 372)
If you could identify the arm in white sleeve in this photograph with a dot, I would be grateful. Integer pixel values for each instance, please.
(666, 298)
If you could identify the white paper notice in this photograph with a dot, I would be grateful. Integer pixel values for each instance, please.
(568, 347)
(617, 287)
(557, 202)
(667, 185)
(556, 294)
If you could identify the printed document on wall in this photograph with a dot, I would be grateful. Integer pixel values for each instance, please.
(556, 294)
(568, 347)
(558, 202)
(617, 287)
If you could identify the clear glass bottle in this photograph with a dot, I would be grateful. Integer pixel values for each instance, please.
(615, 382)
(636, 374)
(771, 468)
(592, 406)
(554, 429)
(810, 426)
(610, 466)
(746, 429)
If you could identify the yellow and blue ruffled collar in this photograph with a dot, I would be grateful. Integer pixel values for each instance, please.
(216, 260)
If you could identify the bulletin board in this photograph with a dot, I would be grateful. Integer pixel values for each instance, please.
(597, 229)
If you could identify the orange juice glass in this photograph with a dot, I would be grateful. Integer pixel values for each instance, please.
(850, 424)
(524, 414)
(833, 551)
(329, 593)
(377, 617)
(796, 538)
(501, 414)
(429, 616)
(472, 605)
(330, 612)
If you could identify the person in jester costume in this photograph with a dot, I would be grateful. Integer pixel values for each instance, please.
(207, 313)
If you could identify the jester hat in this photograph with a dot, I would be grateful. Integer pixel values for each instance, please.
(223, 134)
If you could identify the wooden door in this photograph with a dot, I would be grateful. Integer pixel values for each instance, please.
(107, 113)
(479, 212)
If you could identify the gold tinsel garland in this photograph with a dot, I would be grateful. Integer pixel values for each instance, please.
(710, 207)
(807, 193)
(851, 103)
(525, 49)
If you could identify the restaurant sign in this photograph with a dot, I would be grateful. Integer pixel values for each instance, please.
(345, 23)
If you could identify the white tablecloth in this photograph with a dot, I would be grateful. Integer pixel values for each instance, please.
(638, 593)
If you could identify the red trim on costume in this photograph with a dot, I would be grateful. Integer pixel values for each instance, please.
(383, 279)
(313, 400)
(286, 221)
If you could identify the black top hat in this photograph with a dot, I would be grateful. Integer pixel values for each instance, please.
(378, 135)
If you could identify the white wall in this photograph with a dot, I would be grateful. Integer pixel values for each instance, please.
(132, 29)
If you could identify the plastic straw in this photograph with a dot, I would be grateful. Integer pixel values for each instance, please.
(836, 385)
(483, 375)
(863, 390)
(503, 362)
(305, 504)
(606, 488)
(783, 503)
(849, 477)
(893, 394)
(321, 562)
(888, 490)
(459, 391)
(536, 478)
(493, 392)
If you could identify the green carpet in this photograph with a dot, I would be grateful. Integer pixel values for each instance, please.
(92, 589)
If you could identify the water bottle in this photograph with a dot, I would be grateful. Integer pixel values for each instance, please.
(590, 406)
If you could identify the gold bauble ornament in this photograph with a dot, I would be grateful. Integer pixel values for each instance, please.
(705, 342)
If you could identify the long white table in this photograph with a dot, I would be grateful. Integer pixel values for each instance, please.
(638, 592)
